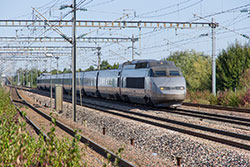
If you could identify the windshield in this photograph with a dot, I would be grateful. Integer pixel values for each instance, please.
(174, 73)
(163, 73)
(159, 73)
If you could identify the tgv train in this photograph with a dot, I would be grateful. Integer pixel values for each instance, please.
(148, 82)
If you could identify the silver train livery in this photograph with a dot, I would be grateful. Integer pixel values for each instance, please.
(148, 82)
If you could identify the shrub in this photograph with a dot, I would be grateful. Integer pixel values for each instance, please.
(198, 96)
(212, 100)
(245, 102)
(245, 80)
(18, 148)
(229, 98)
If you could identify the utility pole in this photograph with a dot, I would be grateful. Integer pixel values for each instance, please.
(18, 77)
(51, 94)
(133, 47)
(57, 64)
(23, 76)
(213, 25)
(99, 57)
(26, 75)
(36, 70)
(74, 60)
(31, 77)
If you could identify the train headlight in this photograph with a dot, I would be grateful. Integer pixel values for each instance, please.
(165, 88)
(180, 88)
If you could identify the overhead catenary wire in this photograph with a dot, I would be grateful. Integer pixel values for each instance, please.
(98, 4)
(161, 9)
(224, 11)
(175, 11)
(243, 35)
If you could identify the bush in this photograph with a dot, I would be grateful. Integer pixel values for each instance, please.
(245, 80)
(212, 100)
(18, 148)
(245, 100)
(229, 98)
(198, 96)
(241, 98)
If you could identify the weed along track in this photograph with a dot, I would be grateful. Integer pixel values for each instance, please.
(42, 123)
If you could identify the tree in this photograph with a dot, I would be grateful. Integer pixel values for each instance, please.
(115, 66)
(195, 67)
(26, 76)
(231, 64)
(91, 68)
(65, 70)
(79, 70)
(54, 72)
(105, 65)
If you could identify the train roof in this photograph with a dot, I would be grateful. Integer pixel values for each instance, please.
(144, 63)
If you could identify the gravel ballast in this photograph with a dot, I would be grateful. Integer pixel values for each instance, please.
(162, 143)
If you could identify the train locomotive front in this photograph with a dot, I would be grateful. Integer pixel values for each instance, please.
(168, 85)
(162, 82)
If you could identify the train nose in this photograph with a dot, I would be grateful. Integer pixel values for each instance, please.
(172, 88)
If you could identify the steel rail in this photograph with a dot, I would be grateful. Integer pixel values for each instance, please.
(29, 121)
(198, 127)
(209, 116)
(203, 115)
(201, 135)
(236, 109)
(91, 144)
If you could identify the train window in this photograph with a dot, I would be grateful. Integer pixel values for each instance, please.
(135, 83)
(174, 73)
(160, 73)
(118, 82)
(141, 65)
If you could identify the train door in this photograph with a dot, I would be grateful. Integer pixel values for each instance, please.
(97, 91)
(82, 84)
(119, 82)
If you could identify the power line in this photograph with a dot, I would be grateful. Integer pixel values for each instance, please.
(102, 3)
(224, 11)
(158, 10)
(186, 7)
(243, 35)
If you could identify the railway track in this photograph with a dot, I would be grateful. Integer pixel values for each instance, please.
(236, 140)
(18, 100)
(243, 110)
(210, 116)
(191, 113)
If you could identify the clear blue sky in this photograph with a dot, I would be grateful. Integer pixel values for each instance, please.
(155, 43)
